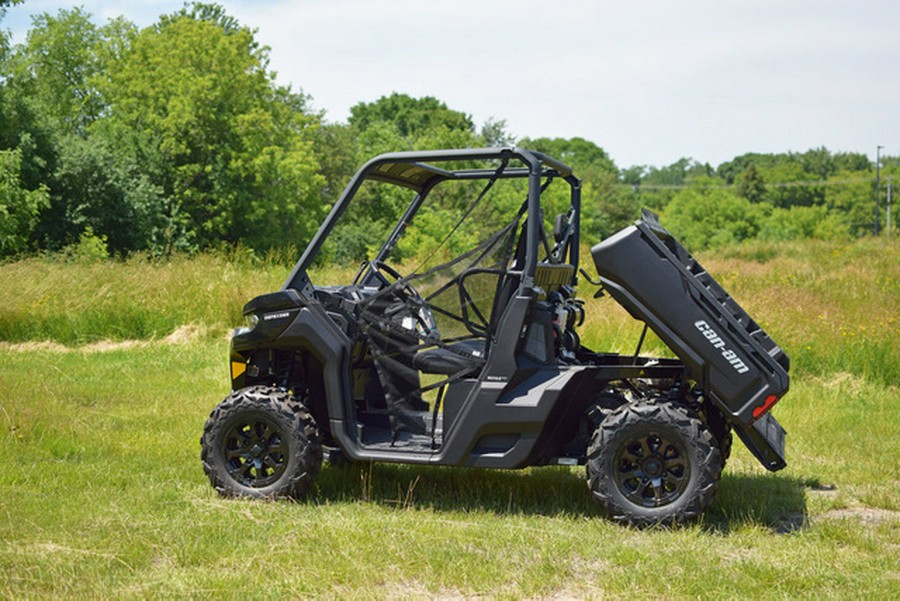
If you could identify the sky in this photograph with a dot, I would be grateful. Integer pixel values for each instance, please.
(650, 81)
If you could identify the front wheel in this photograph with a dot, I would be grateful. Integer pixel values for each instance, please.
(653, 463)
(260, 442)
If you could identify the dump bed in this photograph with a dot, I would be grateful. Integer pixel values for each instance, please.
(740, 367)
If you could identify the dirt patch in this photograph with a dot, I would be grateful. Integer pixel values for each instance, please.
(181, 335)
(185, 334)
(25, 347)
(106, 346)
(866, 515)
(843, 381)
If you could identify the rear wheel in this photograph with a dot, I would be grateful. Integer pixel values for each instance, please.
(261, 442)
(653, 462)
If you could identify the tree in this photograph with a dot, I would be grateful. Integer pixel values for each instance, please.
(656, 186)
(851, 161)
(706, 215)
(98, 190)
(231, 151)
(494, 133)
(585, 157)
(4, 39)
(803, 222)
(790, 185)
(50, 104)
(412, 117)
(751, 185)
(336, 150)
(19, 206)
(56, 68)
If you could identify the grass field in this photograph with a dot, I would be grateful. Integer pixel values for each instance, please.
(108, 371)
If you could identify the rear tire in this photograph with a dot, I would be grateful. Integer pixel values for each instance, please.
(720, 429)
(653, 463)
(261, 442)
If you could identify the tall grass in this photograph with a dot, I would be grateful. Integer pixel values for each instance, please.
(833, 307)
(84, 301)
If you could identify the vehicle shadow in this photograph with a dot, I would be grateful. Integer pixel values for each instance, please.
(773, 501)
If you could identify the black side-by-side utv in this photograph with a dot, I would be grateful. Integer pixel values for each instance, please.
(469, 354)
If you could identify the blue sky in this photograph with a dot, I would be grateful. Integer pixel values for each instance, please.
(650, 81)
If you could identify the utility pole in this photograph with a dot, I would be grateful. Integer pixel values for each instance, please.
(877, 183)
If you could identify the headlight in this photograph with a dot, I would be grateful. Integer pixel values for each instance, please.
(251, 320)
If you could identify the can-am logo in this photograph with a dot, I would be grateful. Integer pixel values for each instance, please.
(718, 343)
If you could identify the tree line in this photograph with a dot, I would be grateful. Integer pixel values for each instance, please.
(178, 137)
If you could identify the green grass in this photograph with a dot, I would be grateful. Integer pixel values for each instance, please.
(102, 493)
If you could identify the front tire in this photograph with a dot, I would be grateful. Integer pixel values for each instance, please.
(653, 463)
(261, 442)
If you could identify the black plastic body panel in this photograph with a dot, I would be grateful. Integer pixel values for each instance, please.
(738, 365)
(765, 439)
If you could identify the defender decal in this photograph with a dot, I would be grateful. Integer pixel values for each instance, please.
(718, 343)
(279, 315)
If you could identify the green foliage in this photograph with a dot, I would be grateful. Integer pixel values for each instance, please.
(803, 222)
(586, 158)
(230, 151)
(56, 70)
(89, 248)
(411, 117)
(709, 216)
(852, 199)
(729, 170)
(4, 41)
(657, 186)
(101, 190)
(19, 206)
(494, 133)
(751, 185)
(172, 137)
(335, 147)
(792, 185)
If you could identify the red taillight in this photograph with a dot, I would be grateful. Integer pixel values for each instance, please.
(767, 404)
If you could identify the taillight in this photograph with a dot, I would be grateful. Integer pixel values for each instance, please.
(767, 404)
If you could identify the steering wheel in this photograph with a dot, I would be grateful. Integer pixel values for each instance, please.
(380, 268)
(405, 292)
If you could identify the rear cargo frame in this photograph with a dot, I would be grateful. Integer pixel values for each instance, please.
(730, 357)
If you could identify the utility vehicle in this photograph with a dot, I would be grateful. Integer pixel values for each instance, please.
(456, 342)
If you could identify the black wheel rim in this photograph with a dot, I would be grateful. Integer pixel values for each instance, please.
(651, 469)
(256, 452)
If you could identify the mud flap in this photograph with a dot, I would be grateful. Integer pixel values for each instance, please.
(765, 439)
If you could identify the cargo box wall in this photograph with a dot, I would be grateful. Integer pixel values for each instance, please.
(654, 277)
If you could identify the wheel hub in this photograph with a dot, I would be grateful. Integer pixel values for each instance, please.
(255, 453)
(651, 469)
(652, 466)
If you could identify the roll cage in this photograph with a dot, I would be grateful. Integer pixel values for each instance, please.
(422, 171)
